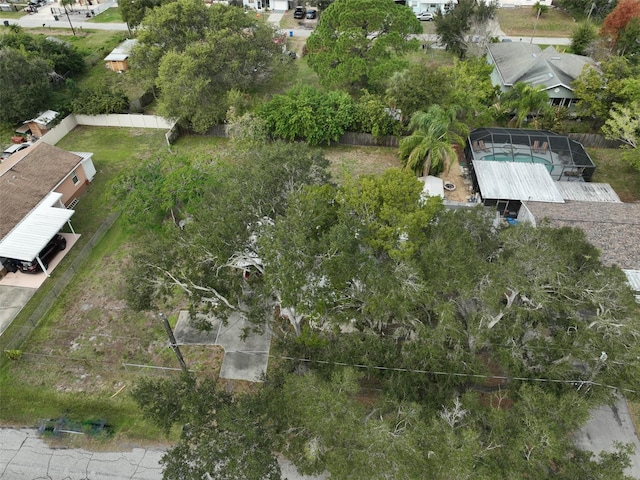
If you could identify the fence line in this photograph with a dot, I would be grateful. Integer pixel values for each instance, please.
(347, 138)
(125, 120)
(594, 140)
(60, 285)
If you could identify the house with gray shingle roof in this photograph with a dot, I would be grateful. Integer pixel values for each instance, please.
(515, 62)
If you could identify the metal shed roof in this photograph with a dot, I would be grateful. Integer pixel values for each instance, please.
(633, 277)
(516, 181)
(121, 52)
(588, 192)
(31, 235)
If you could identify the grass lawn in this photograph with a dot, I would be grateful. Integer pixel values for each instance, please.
(73, 364)
(521, 21)
(88, 333)
(13, 15)
(110, 15)
(611, 169)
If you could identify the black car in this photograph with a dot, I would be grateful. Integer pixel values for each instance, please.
(56, 244)
(299, 12)
(311, 14)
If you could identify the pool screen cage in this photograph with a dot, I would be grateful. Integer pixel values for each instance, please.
(567, 158)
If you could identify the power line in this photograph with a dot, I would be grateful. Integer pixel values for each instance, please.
(450, 374)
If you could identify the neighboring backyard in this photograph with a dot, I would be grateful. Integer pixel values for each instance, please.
(522, 21)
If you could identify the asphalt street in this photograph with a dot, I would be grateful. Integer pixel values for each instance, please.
(44, 18)
(25, 456)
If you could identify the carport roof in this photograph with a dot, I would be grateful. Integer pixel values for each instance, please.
(32, 234)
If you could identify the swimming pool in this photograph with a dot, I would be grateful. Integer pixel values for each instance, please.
(519, 157)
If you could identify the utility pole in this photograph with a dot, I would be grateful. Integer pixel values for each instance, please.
(172, 342)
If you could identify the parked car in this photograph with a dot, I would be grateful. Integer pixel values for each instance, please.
(311, 14)
(425, 16)
(16, 147)
(56, 244)
(299, 12)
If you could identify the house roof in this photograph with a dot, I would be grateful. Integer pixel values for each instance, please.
(122, 51)
(515, 181)
(587, 192)
(33, 232)
(28, 178)
(525, 62)
(44, 118)
(611, 227)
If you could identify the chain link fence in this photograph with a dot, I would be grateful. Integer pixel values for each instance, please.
(15, 336)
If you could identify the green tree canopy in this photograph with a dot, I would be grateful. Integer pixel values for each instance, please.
(25, 84)
(597, 91)
(582, 37)
(64, 58)
(454, 27)
(134, 11)
(523, 100)
(360, 43)
(305, 113)
(195, 54)
(467, 83)
(222, 437)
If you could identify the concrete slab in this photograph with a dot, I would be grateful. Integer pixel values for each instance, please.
(609, 424)
(243, 359)
(12, 300)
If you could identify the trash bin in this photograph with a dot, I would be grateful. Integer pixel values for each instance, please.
(291, 33)
(6, 23)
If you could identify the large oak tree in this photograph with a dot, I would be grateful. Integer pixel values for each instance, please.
(360, 43)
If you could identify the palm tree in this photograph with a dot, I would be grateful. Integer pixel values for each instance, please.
(429, 148)
(523, 99)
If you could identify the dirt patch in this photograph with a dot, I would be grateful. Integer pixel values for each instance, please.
(454, 176)
(356, 161)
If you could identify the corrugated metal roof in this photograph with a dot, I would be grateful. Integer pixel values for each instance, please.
(121, 52)
(633, 277)
(32, 234)
(588, 192)
(44, 118)
(516, 181)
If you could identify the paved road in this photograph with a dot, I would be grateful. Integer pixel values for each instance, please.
(44, 18)
(24, 456)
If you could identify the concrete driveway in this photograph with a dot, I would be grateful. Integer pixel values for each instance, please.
(243, 359)
(12, 300)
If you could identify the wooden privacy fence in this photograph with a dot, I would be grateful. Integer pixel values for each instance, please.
(594, 140)
(348, 138)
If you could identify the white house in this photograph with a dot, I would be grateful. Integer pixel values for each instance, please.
(431, 6)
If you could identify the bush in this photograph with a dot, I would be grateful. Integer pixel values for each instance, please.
(98, 100)
(304, 113)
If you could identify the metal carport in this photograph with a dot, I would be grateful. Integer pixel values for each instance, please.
(31, 235)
